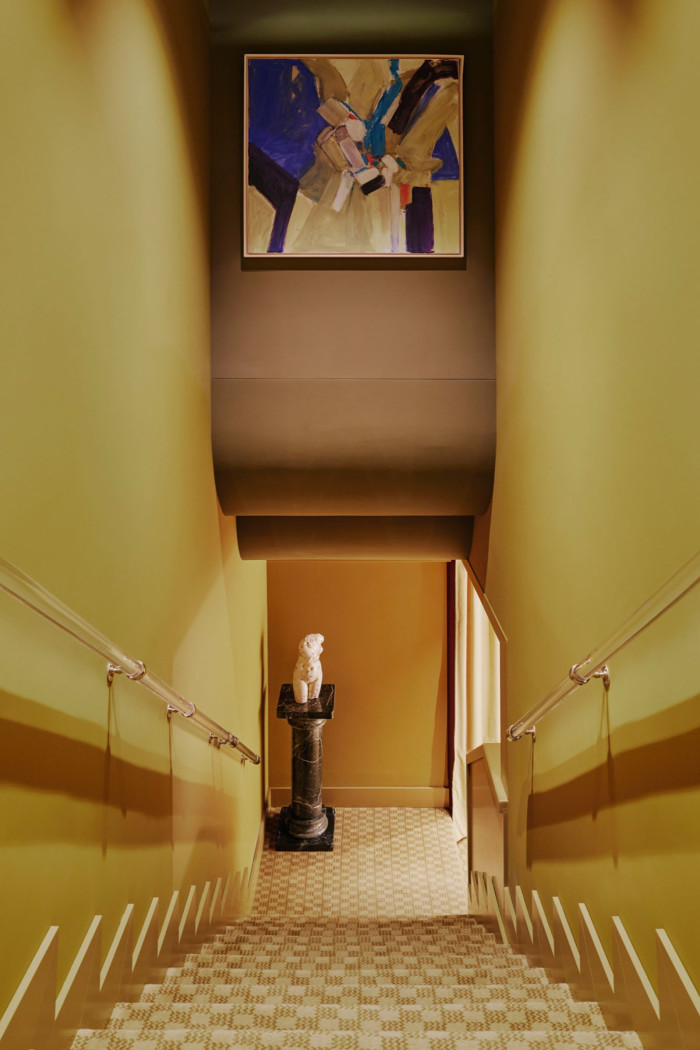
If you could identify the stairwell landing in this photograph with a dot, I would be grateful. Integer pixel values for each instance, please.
(369, 947)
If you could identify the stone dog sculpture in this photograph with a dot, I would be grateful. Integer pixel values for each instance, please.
(308, 675)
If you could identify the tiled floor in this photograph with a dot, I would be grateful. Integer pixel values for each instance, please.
(387, 863)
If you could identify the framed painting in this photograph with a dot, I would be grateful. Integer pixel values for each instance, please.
(353, 156)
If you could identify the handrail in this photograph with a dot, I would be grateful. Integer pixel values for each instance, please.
(30, 593)
(595, 663)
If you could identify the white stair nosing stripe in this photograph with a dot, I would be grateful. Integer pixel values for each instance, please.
(119, 949)
(521, 912)
(540, 917)
(147, 942)
(679, 1001)
(80, 990)
(567, 933)
(213, 916)
(84, 957)
(225, 900)
(494, 905)
(168, 936)
(589, 935)
(509, 907)
(620, 933)
(187, 927)
(31, 1009)
(200, 920)
(679, 969)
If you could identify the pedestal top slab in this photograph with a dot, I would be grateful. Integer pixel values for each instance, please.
(287, 707)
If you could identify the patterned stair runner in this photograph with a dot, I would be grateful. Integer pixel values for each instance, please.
(367, 948)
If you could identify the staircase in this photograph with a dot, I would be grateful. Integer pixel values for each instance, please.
(401, 981)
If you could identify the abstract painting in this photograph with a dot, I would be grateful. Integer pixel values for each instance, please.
(353, 155)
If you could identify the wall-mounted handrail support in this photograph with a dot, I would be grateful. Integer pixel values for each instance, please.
(602, 672)
(31, 594)
(115, 669)
(596, 663)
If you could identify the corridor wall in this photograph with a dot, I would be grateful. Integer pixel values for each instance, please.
(106, 479)
(385, 631)
(596, 498)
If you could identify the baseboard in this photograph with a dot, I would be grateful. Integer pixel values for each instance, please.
(669, 1020)
(371, 797)
(37, 1018)
(249, 889)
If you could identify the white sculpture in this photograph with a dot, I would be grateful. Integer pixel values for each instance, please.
(308, 675)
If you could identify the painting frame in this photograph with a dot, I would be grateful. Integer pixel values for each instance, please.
(382, 190)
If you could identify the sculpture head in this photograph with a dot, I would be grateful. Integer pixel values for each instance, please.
(311, 646)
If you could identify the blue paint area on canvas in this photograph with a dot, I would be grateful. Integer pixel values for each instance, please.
(420, 236)
(427, 95)
(375, 139)
(279, 187)
(282, 117)
(445, 151)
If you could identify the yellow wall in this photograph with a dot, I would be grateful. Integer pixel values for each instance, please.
(106, 478)
(384, 649)
(597, 498)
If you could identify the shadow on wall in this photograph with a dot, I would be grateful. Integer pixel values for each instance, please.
(173, 24)
(137, 802)
(629, 772)
(523, 42)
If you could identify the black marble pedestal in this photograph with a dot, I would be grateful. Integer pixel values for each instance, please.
(323, 843)
(306, 824)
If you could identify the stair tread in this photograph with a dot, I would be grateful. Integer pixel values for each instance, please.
(528, 1013)
(212, 1038)
(257, 958)
(319, 922)
(338, 974)
(360, 993)
(319, 979)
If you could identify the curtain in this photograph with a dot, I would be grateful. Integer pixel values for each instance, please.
(459, 772)
(477, 688)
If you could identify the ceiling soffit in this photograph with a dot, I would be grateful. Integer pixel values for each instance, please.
(353, 410)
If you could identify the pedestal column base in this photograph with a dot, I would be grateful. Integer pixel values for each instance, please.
(288, 843)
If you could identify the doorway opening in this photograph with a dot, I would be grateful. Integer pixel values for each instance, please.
(476, 783)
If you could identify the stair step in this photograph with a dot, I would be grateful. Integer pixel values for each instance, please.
(410, 1018)
(213, 1038)
(398, 934)
(311, 936)
(419, 946)
(435, 949)
(494, 971)
(320, 957)
(397, 931)
(327, 922)
(355, 994)
(274, 979)
(419, 953)
(227, 955)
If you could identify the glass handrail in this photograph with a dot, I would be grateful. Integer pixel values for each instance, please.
(595, 664)
(31, 594)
